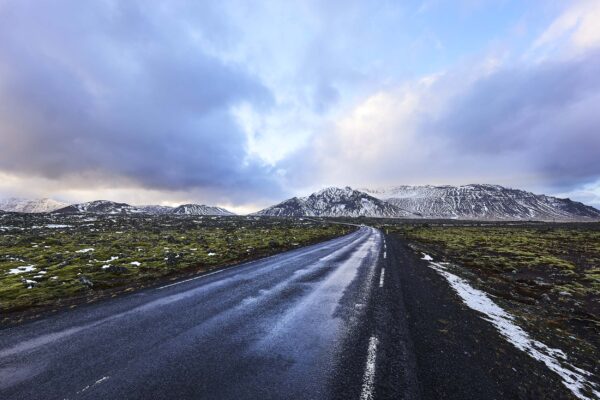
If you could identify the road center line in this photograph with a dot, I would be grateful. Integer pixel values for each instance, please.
(369, 376)
(191, 279)
(385, 254)
(381, 277)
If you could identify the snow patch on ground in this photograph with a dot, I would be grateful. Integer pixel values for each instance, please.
(111, 259)
(21, 270)
(85, 250)
(575, 379)
(30, 283)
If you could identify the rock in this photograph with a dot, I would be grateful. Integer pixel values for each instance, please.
(115, 269)
(171, 259)
(545, 297)
(86, 281)
(29, 283)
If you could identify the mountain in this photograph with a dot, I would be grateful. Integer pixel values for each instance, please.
(30, 206)
(200, 209)
(483, 202)
(335, 202)
(152, 209)
(99, 207)
(111, 207)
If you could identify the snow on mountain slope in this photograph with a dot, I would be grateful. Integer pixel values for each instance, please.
(30, 206)
(335, 202)
(200, 209)
(485, 202)
(152, 209)
(111, 207)
(99, 207)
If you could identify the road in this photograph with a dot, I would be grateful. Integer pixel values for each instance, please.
(357, 317)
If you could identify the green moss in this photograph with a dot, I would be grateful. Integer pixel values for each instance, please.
(162, 245)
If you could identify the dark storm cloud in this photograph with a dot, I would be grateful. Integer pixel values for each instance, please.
(547, 114)
(123, 89)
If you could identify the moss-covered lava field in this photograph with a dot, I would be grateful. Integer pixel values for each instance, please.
(50, 261)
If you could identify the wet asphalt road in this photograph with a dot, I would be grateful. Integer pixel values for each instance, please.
(274, 328)
(357, 317)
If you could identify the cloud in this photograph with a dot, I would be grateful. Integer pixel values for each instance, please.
(576, 28)
(242, 104)
(124, 92)
(528, 125)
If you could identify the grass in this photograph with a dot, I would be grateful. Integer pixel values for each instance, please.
(84, 256)
(567, 257)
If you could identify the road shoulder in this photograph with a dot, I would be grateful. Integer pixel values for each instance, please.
(458, 354)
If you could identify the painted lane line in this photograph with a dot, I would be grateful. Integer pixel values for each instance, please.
(381, 277)
(191, 279)
(104, 378)
(385, 254)
(369, 376)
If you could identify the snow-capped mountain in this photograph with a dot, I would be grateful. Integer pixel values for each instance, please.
(335, 202)
(111, 207)
(483, 202)
(200, 209)
(153, 209)
(30, 206)
(99, 207)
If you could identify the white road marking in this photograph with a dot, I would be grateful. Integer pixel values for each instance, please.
(104, 378)
(191, 279)
(381, 277)
(385, 254)
(369, 376)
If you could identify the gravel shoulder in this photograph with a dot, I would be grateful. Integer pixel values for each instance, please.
(458, 354)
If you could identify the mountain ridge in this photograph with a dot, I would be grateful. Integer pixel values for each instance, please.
(111, 207)
(334, 202)
(483, 202)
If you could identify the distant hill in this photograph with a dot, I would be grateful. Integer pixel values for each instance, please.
(98, 207)
(199, 209)
(111, 207)
(30, 206)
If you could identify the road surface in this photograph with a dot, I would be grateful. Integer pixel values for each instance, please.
(357, 317)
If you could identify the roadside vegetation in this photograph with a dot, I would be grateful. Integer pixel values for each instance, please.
(49, 261)
(547, 275)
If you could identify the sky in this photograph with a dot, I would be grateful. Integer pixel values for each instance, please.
(245, 103)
